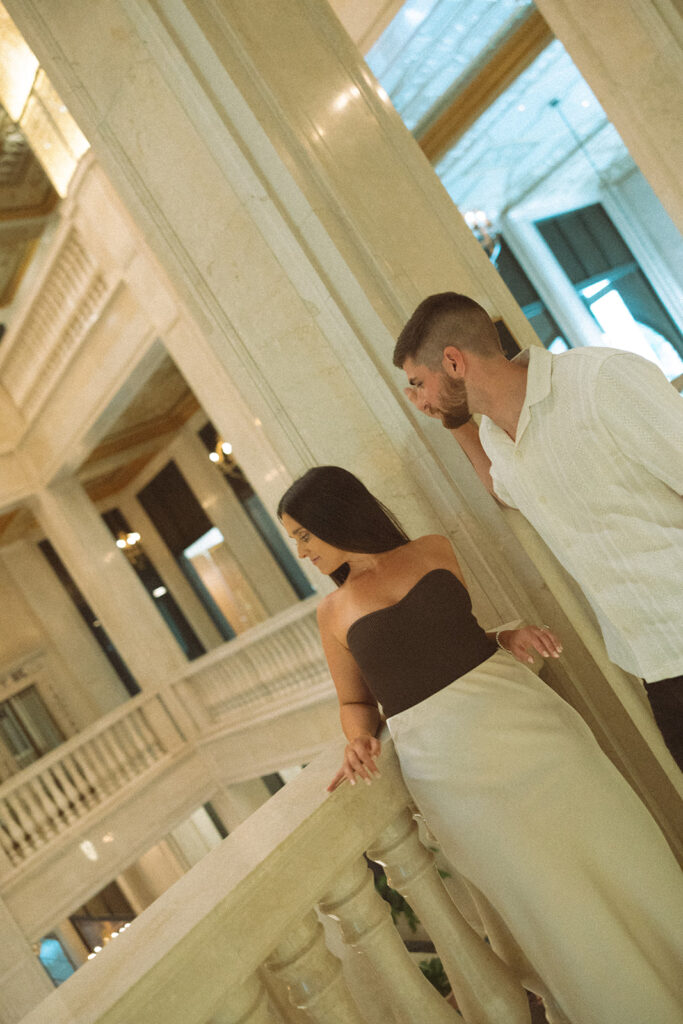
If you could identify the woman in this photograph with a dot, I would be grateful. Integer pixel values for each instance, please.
(585, 892)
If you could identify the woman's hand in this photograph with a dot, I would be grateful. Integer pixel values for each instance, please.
(528, 641)
(359, 759)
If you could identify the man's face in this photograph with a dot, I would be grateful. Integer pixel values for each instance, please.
(438, 394)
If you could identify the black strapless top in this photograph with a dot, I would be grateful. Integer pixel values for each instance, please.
(417, 646)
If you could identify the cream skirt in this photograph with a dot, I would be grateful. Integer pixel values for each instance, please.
(582, 889)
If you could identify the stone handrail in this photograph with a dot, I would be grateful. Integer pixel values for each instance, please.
(243, 926)
(42, 802)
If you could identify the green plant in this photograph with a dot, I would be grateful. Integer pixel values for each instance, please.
(397, 903)
(435, 974)
(442, 871)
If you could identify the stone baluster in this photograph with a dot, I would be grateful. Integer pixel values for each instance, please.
(142, 757)
(81, 770)
(6, 848)
(366, 925)
(296, 644)
(18, 826)
(285, 664)
(22, 808)
(62, 815)
(485, 988)
(34, 796)
(313, 975)
(297, 655)
(263, 670)
(94, 754)
(8, 839)
(154, 750)
(70, 804)
(133, 757)
(81, 783)
(313, 659)
(115, 757)
(245, 1004)
(300, 645)
(240, 677)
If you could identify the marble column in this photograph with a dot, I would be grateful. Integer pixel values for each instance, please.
(551, 282)
(93, 686)
(242, 538)
(108, 583)
(168, 569)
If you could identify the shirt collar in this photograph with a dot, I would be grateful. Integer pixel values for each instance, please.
(538, 382)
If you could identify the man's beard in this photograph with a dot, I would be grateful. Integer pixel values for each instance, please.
(453, 407)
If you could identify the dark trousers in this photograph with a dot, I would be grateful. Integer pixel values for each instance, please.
(666, 701)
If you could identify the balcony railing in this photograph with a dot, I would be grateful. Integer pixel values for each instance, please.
(277, 665)
(241, 929)
(44, 801)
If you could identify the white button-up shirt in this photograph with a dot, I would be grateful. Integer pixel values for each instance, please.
(597, 468)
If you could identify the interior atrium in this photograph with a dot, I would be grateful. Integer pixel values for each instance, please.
(215, 218)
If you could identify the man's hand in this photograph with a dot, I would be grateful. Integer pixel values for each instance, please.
(359, 759)
(528, 641)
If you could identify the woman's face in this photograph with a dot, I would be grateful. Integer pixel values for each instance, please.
(325, 557)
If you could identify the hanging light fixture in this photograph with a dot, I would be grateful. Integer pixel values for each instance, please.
(129, 543)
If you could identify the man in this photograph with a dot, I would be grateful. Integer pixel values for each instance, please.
(588, 445)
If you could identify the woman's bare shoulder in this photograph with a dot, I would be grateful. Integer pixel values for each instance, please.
(433, 543)
(329, 610)
(436, 552)
(325, 609)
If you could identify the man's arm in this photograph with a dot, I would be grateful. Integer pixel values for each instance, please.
(467, 437)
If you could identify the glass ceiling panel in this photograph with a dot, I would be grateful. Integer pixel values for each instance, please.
(431, 44)
(547, 129)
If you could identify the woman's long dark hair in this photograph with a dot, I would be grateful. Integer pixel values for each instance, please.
(335, 506)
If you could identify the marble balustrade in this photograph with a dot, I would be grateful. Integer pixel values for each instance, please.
(39, 805)
(277, 666)
(72, 293)
(239, 938)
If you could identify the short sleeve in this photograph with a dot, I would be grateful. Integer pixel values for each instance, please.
(644, 414)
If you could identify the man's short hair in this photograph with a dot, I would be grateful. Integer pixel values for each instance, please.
(446, 319)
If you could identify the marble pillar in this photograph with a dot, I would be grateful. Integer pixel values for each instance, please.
(108, 583)
(93, 686)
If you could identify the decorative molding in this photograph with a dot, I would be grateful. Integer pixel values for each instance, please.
(71, 297)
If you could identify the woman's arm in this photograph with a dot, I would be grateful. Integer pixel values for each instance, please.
(525, 642)
(358, 710)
